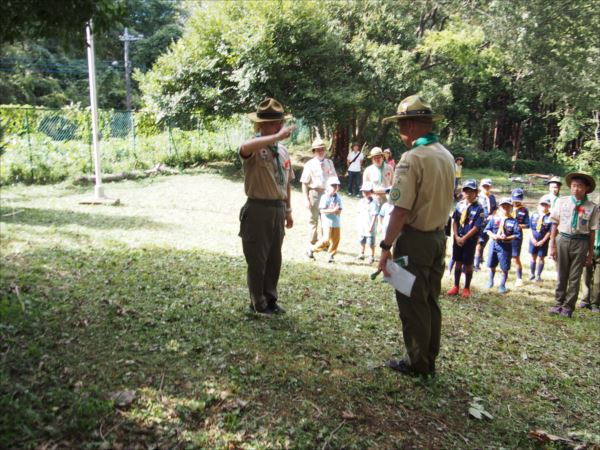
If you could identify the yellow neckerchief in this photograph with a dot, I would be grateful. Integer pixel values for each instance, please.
(514, 212)
(463, 215)
(540, 222)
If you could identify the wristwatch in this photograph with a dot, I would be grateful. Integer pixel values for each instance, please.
(385, 246)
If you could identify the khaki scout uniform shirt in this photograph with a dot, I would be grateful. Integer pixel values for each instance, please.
(562, 214)
(316, 173)
(261, 180)
(372, 173)
(424, 185)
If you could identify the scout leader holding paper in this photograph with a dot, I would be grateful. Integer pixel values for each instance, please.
(267, 175)
(422, 195)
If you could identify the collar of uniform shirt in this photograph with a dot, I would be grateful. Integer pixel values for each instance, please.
(426, 139)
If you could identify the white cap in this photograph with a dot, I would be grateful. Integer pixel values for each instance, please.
(333, 180)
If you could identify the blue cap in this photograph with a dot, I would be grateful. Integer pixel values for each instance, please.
(470, 184)
(546, 200)
(486, 182)
(505, 201)
(517, 194)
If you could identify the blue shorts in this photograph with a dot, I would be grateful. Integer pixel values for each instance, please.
(539, 251)
(369, 240)
(500, 254)
(466, 253)
(483, 238)
(516, 247)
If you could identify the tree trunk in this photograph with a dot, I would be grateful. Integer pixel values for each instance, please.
(340, 144)
(517, 132)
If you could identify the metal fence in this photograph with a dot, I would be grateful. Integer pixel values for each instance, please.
(45, 145)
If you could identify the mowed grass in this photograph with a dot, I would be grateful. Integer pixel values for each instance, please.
(125, 327)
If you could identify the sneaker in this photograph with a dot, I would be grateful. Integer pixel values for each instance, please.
(538, 280)
(476, 269)
(370, 260)
(532, 277)
(330, 260)
(466, 293)
(489, 285)
(310, 253)
(584, 305)
(555, 310)
(502, 289)
(361, 256)
(453, 290)
(518, 282)
(566, 312)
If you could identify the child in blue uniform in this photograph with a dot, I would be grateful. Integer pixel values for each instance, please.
(503, 229)
(467, 222)
(540, 225)
(487, 200)
(521, 213)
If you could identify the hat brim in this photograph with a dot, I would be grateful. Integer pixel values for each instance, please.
(585, 176)
(254, 118)
(374, 155)
(399, 117)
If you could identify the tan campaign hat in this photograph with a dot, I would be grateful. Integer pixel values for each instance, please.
(588, 178)
(317, 143)
(411, 107)
(375, 151)
(555, 180)
(269, 110)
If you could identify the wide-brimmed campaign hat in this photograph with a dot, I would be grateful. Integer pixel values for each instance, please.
(269, 110)
(317, 143)
(591, 184)
(555, 180)
(375, 151)
(411, 107)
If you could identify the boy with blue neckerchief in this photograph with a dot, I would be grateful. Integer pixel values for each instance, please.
(487, 200)
(503, 229)
(521, 214)
(540, 225)
(467, 222)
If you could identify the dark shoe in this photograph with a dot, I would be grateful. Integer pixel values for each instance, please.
(330, 260)
(267, 311)
(566, 312)
(555, 310)
(400, 365)
(275, 308)
(584, 305)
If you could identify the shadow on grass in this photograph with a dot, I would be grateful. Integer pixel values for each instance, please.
(57, 217)
(170, 328)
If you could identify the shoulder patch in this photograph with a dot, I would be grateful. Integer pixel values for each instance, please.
(395, 194)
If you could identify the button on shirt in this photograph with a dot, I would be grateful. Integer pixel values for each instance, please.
(424, 185)
(562, 214)
(261, 175)
(474, 218)
(328, 202)
(509, 226)
(317, 172)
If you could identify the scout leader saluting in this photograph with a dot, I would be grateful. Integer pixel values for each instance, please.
(503, 229)
(540, 225)
(521, 213)
(314, 178)
(267, 174)
(575, 223)
(422, 197)
(467, 223)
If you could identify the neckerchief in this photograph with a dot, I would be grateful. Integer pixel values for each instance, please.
(514, 212)
(578, 209)
(426, 139)
(275, 150)
(540, 222)
(381, 174)
(463, 215)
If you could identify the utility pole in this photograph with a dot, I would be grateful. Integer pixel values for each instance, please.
(127, 38)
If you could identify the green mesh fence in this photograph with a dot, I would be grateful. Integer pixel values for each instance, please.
(49, 145)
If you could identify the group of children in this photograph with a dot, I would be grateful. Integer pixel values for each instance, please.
(478, 219)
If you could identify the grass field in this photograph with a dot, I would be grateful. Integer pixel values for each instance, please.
(124, 327)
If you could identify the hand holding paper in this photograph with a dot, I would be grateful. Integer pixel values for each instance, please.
(400, 278)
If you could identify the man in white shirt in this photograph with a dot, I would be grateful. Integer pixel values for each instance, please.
(314, 178)
(355, 159)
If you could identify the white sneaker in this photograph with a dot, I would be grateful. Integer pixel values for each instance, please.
(519, 282)
(370, 260)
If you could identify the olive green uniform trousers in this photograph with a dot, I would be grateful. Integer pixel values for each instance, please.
(591, 283)
(420, 313)
(570, 254)
(262, 228)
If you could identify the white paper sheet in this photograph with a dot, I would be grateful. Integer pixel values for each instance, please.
(400, 278)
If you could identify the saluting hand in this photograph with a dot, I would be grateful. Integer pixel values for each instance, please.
(285, 132)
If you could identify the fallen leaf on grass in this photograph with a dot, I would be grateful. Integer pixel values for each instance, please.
(349, 415)
(542, 436)
(122, 398)
(477, 411)
(234, 404)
